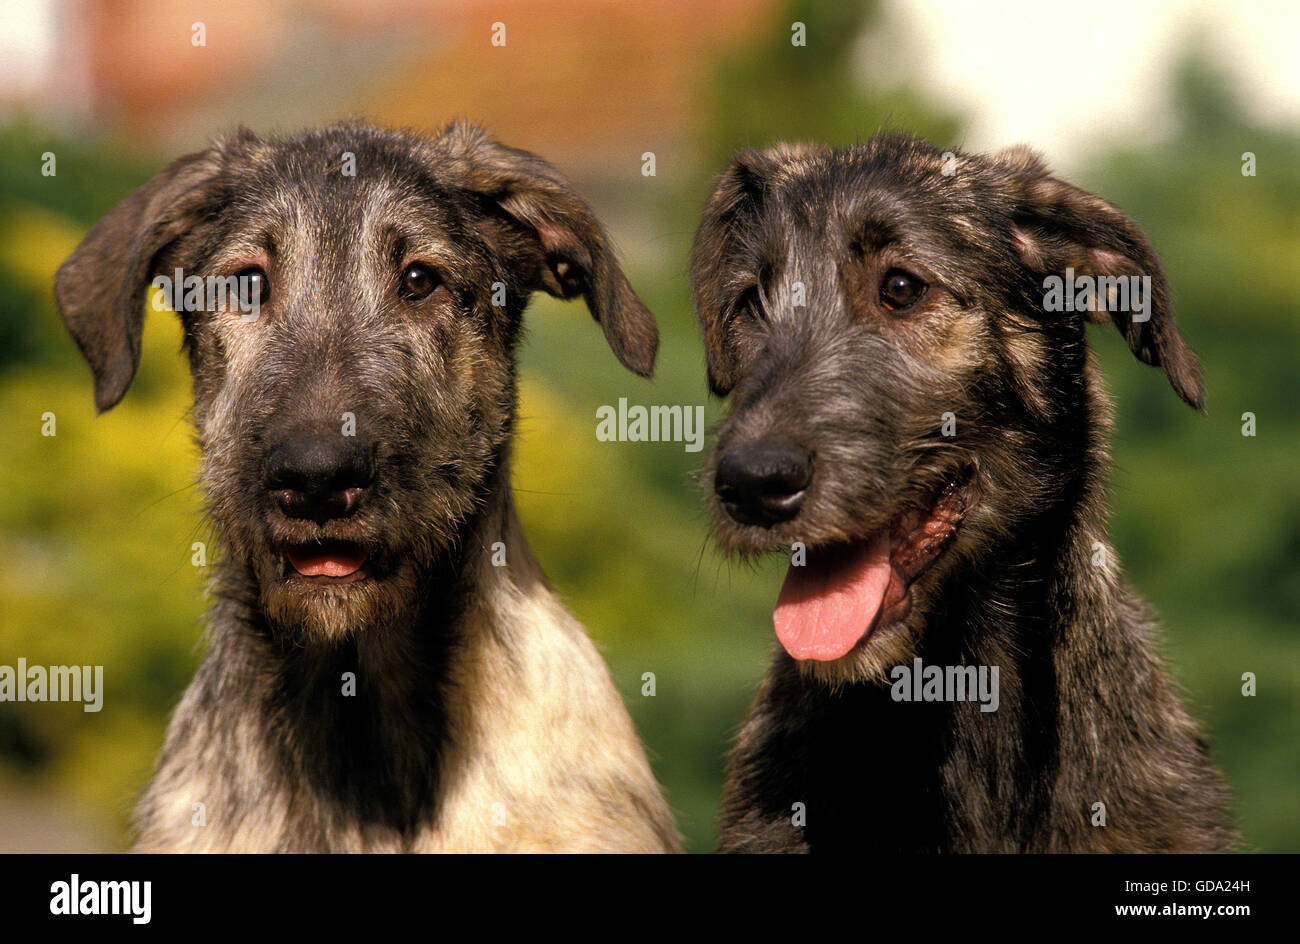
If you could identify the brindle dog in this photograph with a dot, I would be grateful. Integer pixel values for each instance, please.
(388, 667)
(914, 414)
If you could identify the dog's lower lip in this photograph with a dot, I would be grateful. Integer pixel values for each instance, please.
(327, 561)
(915, 549)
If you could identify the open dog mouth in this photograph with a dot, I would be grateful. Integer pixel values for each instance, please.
(843, 593)
(327, 561)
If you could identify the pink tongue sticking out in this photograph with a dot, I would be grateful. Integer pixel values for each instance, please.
(829, 603)
(327, 560)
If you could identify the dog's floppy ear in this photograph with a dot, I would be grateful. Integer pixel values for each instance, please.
(723, 243)
(100, 288)
(1059, 226)
(577, 258)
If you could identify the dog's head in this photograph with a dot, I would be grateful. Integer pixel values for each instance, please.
(908, 380)
(351, 302)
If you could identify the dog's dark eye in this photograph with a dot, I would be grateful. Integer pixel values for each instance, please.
(418, 281)
(254, 288)
(900, 290)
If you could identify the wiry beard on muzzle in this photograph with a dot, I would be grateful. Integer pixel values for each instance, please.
(334, 613)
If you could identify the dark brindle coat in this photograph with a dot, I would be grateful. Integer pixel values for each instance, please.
(483, 718)
(922, 282)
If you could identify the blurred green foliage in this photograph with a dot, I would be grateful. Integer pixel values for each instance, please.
(96, 523)
(1207, 521)
(773, 90)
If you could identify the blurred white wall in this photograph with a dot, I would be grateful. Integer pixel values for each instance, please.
(1070, 77)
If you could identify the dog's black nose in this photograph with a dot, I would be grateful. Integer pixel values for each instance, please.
(319, 476)
(762, 482)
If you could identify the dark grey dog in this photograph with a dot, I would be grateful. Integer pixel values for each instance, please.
(388, 668)
(916, 413)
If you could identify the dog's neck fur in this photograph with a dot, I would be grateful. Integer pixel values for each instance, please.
(379, 746)
(1073, 719)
